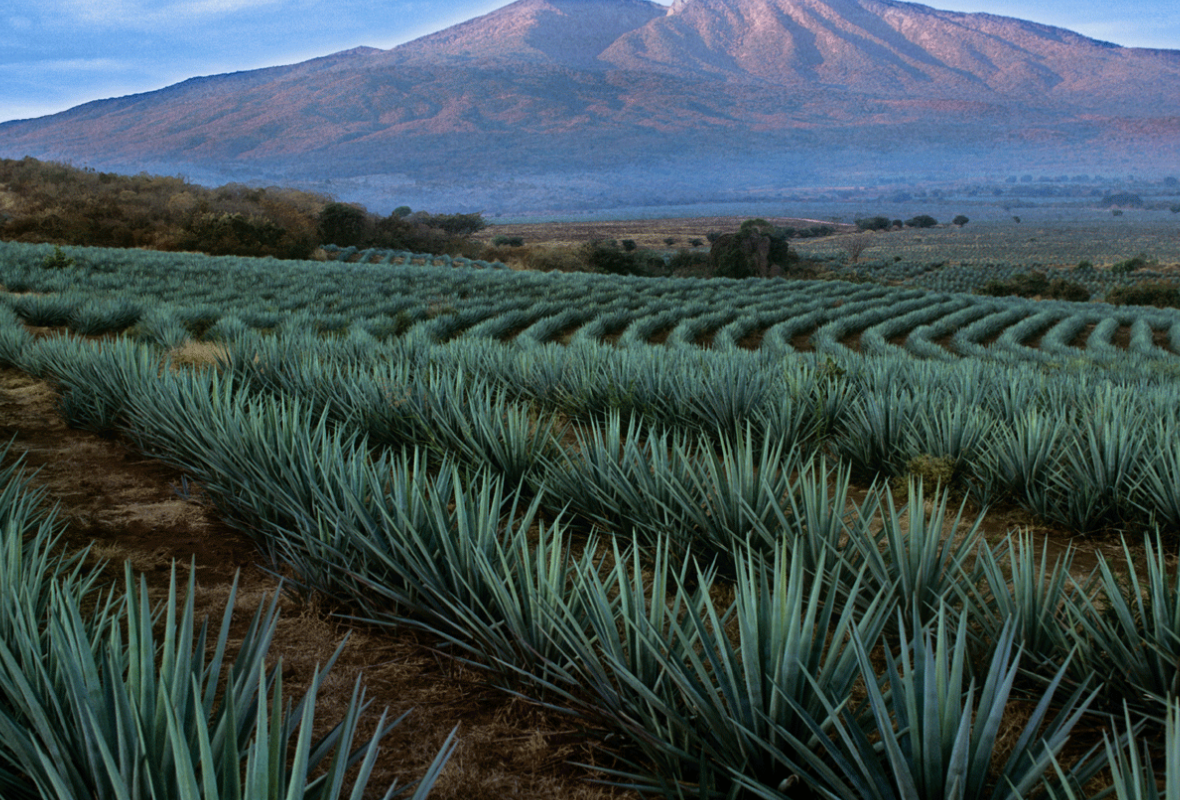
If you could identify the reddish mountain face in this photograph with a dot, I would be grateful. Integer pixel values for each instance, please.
(625, 101)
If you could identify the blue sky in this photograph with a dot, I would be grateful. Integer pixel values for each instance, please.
(55, 54)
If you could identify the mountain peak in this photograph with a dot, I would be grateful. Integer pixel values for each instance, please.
(568, 32)
(630, 98)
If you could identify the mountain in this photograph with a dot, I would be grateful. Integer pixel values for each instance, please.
(600, 102)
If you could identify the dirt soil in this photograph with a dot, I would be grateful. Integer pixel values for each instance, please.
(125, 505)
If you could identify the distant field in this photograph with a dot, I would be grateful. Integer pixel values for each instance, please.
(1049, 238)
(649, 233)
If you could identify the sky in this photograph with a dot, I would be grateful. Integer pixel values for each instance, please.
(56, 54)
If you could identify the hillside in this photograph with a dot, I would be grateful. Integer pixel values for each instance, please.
(625, 101)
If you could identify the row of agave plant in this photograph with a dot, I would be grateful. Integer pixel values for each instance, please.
(1088, 450)
(717, 600)
(94, 703)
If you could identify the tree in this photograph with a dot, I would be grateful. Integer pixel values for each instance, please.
(873, 224)
(756, 250)
(855, 246)
(921, 221)
(960, 220)
(1123, 199)
(341, 224)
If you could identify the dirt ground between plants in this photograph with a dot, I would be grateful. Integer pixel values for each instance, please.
(124, 506)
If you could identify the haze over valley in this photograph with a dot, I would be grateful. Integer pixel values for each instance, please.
(584, 104)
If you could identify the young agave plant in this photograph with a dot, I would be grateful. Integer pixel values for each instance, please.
(1130, 620)
(1010, 587)
(753, 676)
(918, 556)
(1133, 773)
(937, 730)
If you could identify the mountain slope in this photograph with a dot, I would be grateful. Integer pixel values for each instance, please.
(619, 100)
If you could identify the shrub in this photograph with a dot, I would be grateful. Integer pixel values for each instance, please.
(609, 258)
(1161, 294)
(1130, 265)
(1123, 199)
(454, 224)
(1025, 284)
(687, 261)
(629, 245)
(921, 221)
(960, 220)
(873, 224)
(58, 260)
(1061, 289)
(814, 232)
(1032, 284)
(508, 241)
(1084, 266)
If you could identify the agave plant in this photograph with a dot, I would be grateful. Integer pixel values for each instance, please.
(1020, 459)
(1133, 774)
(87, 711)
(938, 730)
(874, 436)
(917, 556)
(1011, 588)
(1100, 467)
(1159, 496)
(621, 478)
(94, 317)
(754, 673)
(1130, 618)
(618, 627)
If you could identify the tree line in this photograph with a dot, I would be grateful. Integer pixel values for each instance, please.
(43, 201)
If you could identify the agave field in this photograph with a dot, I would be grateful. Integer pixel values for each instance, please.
(723, 523)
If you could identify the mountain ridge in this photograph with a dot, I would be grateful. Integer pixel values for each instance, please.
(596, 94)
